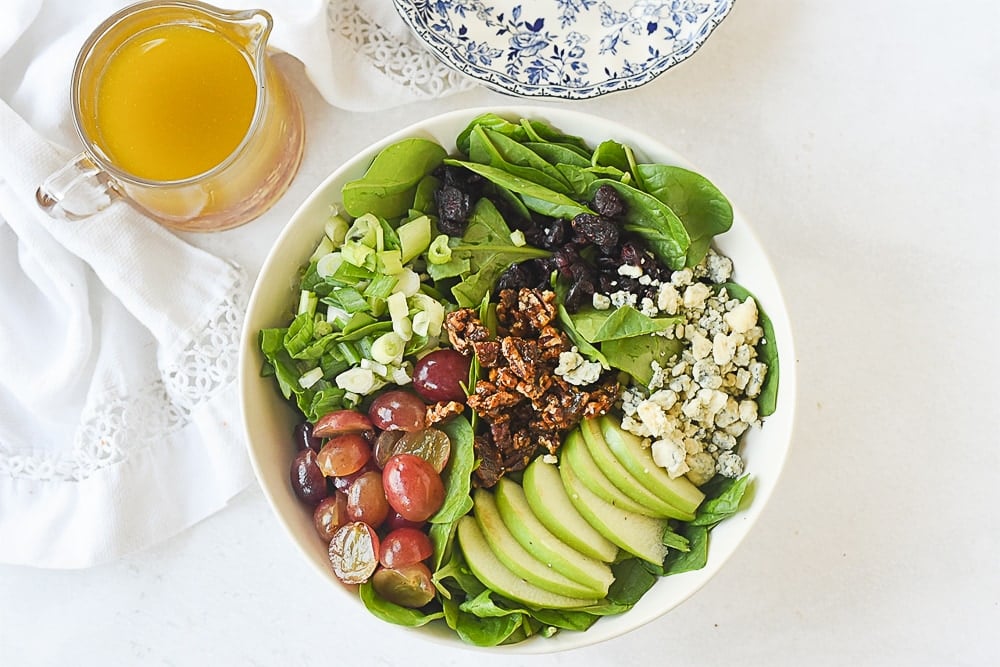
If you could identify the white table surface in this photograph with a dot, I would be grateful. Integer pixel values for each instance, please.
(861, 139)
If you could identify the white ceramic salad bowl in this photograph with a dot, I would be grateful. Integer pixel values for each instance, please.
(269, 420)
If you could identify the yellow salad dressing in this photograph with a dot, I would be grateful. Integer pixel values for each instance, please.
(173, 101)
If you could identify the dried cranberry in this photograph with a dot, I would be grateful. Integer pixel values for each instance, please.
(596, 229)
(553, 234)
(454, 207)
(608, 202)
(515, 277)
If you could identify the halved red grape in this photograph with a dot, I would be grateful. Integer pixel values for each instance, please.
(307, 479)
(341, 483)
(396, 520)
(330, 514)
(304, 437)
(430, 444)
(366, 499)
(405, 546)
(412, 487)
(398, 410)
(408, 586)
(341, 421)
(439, 376)
(343, 455)
(354, 552)
(385, 446)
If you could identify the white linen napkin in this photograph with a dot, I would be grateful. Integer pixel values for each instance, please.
(119, 420)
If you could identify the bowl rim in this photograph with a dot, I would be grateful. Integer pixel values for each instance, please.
(736, 528)
(451, 54)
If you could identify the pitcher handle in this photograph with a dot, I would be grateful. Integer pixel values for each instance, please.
(76, 191)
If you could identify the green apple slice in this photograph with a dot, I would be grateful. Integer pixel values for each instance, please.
(575, 453)
(635, 533)
(519, 560)
(621, 478)
(546, 547)
(547, 497)
(638, 459)
(495, 575)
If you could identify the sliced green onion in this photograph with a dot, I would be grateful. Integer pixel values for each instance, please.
(357, 380)
(358, 254)
(336, 229)
(349, 299)
(328, 264)
(311, 377)
(307, 302)
(381, 287)
(365, 230)
(390, 261)
(439, 251)
(407, 282)
(388, 348)
(349, 353)
(324, 247)
(517, 238)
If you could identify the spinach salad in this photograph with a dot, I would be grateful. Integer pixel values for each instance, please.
(524, 374)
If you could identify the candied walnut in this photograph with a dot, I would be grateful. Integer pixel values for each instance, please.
(521, 451)
(464, 328)
(551, 343)
(550, 441)
(438, 412)
(491, 404)
(521, 355)
(490, 467)
(488, 353)
(539, 308)
(500, 434)
(534, 390)
(601, 399)
(505, 378)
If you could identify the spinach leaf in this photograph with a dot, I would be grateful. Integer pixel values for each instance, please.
(635, 355)
(498, 150)
(723, 505)
(493, 122)
(598, 326)
(694, 558)
(611, 154)
(652, 221)
(394, 613)
(279, 362)
(389, 185)
(702, 208)
(423, 197)
(767, 352)
(457, 474)
(632, 579)
(537, 198)
(486, 631)
(536, 130)
(579, 178)
(556, 154)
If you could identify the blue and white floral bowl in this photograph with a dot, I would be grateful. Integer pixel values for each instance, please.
(571, 49)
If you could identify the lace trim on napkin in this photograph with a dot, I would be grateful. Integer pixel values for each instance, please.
(402, 60)
(206, 365)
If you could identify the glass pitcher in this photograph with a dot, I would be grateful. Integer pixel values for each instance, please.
(182, 112)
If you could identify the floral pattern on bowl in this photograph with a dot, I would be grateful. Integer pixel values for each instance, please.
(573, 49)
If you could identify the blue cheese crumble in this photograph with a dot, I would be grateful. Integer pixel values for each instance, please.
(697, 407)
(576, 370)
